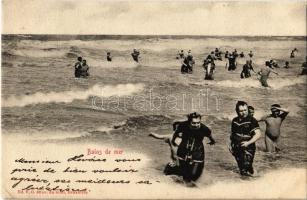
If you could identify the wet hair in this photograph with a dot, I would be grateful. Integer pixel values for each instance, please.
(287, 63)
(251, 108)
(240, 103)
(193, 115)
(79, 58)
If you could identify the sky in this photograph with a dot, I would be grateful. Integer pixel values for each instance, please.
(154, 17)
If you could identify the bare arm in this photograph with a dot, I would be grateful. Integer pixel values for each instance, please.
(284, 113)
(253, 139)
(160, 137)
(274, 71)
(282, 109)
(263, 118)
(182, 62)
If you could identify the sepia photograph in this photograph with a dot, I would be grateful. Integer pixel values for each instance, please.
(153, 99)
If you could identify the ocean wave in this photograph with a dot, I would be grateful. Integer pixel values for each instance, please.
(118, 63)
(40, 53)
(168, 44)
(144, 121)
(276, 83)
(69, 96)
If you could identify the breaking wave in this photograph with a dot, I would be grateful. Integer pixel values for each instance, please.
(69, 96)
(253, 83)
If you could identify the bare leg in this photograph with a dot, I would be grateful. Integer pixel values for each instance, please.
(271, 146)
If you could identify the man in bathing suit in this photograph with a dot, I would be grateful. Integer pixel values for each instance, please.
(245, 132)
(264, 74)
(273, 123)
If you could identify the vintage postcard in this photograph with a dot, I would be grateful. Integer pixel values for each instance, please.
(153, 99)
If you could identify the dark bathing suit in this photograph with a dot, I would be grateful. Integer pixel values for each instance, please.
(78, 66)
(191, 153)
(187, 67)
(135, 56)
(241, 131)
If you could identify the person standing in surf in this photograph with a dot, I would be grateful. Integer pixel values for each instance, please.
(209, 68)
(231, 62)
(292, 54)
(109, 57)
(180, 54)
(245, 131)
(78, 66)
(187, 156)
(304, 68)
(84, 71)
(264, 74)
(273, 123)
(191, 152)
(287, 65)
(135, 55)
(187, 64)
(246, 70)
(250, 54)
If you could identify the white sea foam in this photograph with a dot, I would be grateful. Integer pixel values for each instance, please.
(69, 96)
(276, 83)
(39, 53)
(117, 63)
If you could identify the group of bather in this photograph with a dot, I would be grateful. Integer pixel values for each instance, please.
(187, 148)
(188, 62)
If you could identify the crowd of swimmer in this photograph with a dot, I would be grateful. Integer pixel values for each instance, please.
(187, 149)
(188, 63)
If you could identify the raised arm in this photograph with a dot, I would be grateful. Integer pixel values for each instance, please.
(284, 113)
